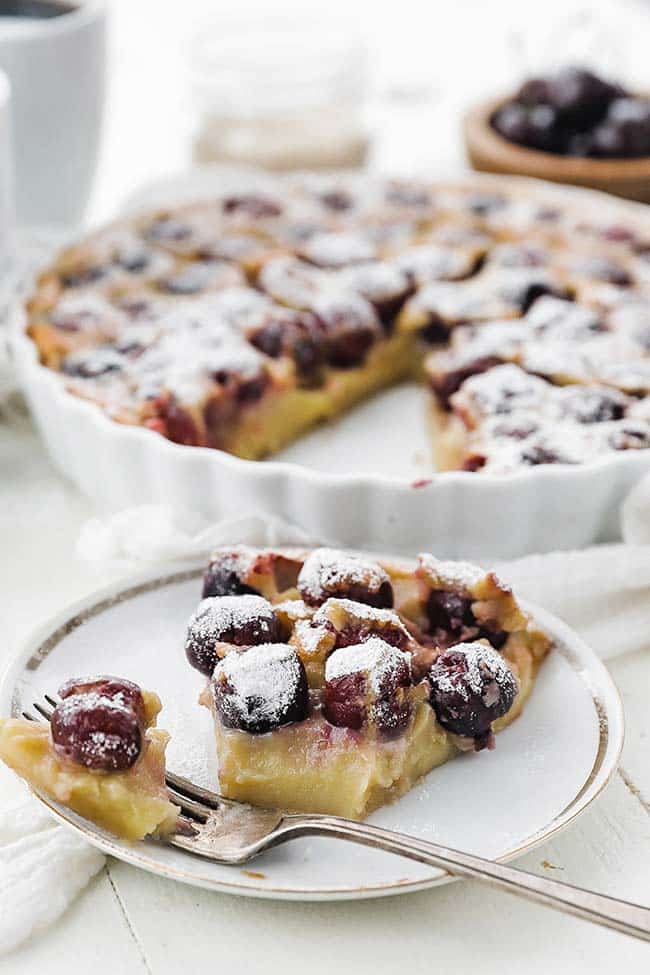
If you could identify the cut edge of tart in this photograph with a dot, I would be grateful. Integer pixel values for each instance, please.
(358, 701)
(131, 803)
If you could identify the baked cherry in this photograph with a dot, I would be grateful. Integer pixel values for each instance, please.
(448, 382)
(99, 723)
(261, 689)
(368, 683)
(243, 621)
(452, 620)
(471, 686)
(253, 205)
(586, 405)
(83, 276)
(295, 334)
(173, 421)
(135, 260)
(384, 285)
(225, 574)
(93, 363)
(167, 229)
(122, 691)
(350, 326)
(630, 437)
(327, 572)
(354, 622)
(337, 200)
(538, 454)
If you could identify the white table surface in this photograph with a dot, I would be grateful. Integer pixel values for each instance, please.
(129, 921)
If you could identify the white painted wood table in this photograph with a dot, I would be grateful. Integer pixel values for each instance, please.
(128, 921)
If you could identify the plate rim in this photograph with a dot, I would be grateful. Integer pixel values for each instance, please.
(38, 643)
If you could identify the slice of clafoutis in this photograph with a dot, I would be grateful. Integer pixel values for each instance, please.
(101, 756)
(338, 688)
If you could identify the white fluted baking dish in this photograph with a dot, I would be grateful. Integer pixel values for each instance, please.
(363, 481)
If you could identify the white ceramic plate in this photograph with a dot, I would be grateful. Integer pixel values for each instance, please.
(546, 769)
(365, 479)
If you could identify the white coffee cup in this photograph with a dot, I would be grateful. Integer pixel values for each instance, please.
(56, 66)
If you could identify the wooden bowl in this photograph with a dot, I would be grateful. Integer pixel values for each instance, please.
(489, 152)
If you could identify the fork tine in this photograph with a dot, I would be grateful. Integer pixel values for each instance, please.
(29, 716)
(185, 788)
(195, 810)
(43, 711)
(51, 700)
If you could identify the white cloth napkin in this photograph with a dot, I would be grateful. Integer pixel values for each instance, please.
(603, 592)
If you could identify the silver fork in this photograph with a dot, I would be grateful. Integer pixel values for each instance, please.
(230, 832)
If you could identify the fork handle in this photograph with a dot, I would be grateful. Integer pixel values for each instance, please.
(610, 912)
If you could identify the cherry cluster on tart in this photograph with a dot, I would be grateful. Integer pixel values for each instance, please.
(335, 681)
(241, 322)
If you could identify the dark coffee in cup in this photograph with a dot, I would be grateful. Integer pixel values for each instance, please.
(35, 9)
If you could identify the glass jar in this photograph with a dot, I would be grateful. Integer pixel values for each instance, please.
(280, 92)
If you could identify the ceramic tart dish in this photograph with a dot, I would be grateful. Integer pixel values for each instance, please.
(165, 355)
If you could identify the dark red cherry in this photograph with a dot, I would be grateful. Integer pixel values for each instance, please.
(579, 96)
(350, 327)
(167, 229)
(511, 121)
(295, 334)
(538, 454)
(135, 260)
(252, 205)
(449, 614)
(328, 572)
(99, 724)
(174, 421)
(93, 363)
(630, 438)
(243, 621)
(367, 683)
(587, 405)
(337, 200)
(452, 620)
(449, 382)
(122, 691)
(471, 686)
(224, 575)
(261, 689)
(83, 276)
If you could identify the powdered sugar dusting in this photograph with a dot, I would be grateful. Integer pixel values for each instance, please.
(463, 576)
(375, 658)
(487, 677)
(329, 570)
(262, 682)
(217, 615)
